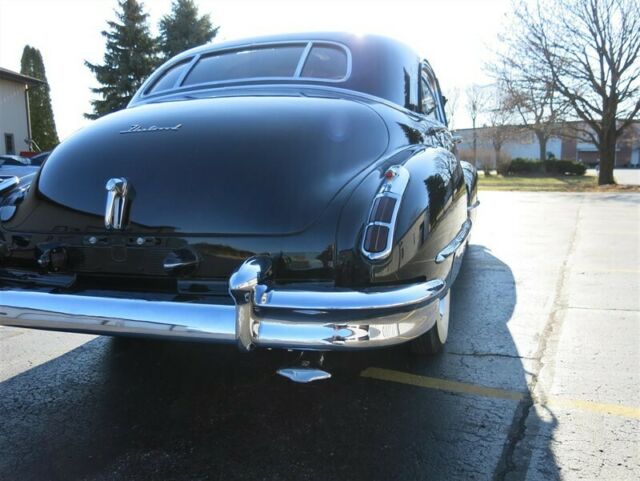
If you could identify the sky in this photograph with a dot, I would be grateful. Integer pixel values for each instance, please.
(456, 36)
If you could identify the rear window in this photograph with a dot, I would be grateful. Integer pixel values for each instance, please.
(169, 78)
(326, 62)
(264, 62)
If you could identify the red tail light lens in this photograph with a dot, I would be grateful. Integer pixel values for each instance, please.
(382, 210)
(376, 238)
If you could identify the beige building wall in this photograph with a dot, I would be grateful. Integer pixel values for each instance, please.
(13, 115)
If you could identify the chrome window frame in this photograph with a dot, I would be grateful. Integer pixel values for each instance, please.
(427, 73)
(297, 76)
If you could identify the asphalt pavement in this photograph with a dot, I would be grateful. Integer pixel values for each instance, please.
(540, 379)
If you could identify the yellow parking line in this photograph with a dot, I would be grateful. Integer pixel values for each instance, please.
(468, 388)
(440, 384)
(598, 408)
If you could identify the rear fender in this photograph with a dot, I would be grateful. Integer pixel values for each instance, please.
(421, 227)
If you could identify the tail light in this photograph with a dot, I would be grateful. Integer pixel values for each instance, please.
(377, 241)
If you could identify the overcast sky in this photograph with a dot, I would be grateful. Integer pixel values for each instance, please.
(456, 36)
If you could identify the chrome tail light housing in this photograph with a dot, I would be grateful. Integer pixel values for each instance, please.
(377, 240)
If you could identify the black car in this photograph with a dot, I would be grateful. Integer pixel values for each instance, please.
(294, 191)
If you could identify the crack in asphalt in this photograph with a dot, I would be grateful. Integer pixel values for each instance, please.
(490, 354)
(616, 309)
(508, 468)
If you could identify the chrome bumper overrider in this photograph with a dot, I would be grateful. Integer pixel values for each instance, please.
(262, 316)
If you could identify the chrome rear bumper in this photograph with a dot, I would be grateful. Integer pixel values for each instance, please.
(283, 318)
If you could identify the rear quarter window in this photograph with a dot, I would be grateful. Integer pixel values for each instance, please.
(169, 78)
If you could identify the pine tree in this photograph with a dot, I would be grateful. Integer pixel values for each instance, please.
(129, 58)
(184, 29)
(43, 126)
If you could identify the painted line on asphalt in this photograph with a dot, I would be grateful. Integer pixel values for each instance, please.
(510, 395)
(598, 408)
(440, 384)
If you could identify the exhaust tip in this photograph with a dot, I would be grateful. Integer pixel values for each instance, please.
(304, 375)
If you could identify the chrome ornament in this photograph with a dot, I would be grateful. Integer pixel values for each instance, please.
(118, 199)
(137, 129)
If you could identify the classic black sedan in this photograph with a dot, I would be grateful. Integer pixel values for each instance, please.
(297, 192)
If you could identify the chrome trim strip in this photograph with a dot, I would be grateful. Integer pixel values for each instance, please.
(456, 242)
(290, 319)
(473, 206)
(302, 61)
(393, 188)
(349, 300)
(183, 75)
(228, 90)
(8, 183)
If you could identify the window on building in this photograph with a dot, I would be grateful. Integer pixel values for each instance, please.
(9, 144)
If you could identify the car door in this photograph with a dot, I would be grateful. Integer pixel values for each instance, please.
(455, 202)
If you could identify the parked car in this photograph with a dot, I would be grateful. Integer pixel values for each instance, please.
(39, 158)
(13, 170)
(10, 159)
(296, 192)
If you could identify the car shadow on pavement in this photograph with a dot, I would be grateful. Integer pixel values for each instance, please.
(136, 409)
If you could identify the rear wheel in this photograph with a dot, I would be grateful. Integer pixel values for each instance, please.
(431, 342)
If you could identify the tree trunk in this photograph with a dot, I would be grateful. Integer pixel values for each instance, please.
(607, 150)
(475, 143)
(607, 162)
(542, 143)
(487, 165)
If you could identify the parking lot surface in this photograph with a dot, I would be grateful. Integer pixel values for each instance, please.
(539, 380)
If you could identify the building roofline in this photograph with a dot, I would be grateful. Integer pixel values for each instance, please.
(7, 74)
(557, 125)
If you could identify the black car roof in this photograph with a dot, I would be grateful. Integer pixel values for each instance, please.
(381, 66)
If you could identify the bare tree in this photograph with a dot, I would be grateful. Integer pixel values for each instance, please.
(452, 96)
(591, 49)
(529, 91)
(499, 115)
(477, 100)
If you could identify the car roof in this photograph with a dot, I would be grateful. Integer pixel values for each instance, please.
(351, 40)
(381, 66)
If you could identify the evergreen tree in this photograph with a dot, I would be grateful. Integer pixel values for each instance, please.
(43, 126)
(184, 29)
(129, 58)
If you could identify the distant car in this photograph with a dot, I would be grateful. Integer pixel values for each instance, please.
(39, 159)
(14, 169)
(7, 159)
(298, 192)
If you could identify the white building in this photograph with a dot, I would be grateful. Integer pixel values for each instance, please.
(15, 125)
(524, 144)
